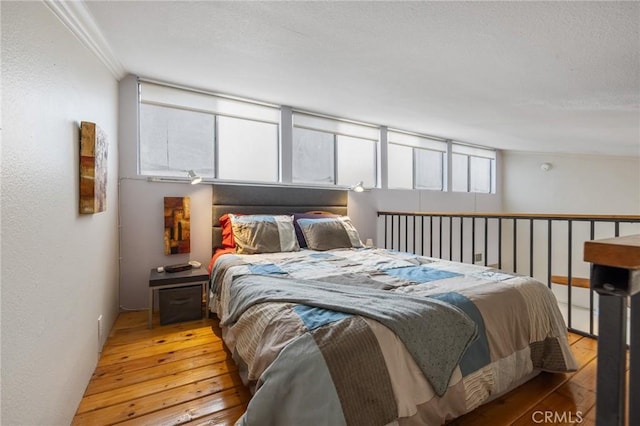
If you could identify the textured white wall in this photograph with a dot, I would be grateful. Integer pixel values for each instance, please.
(59, 269)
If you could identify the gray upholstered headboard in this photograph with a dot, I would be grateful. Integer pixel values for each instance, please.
(272, 200)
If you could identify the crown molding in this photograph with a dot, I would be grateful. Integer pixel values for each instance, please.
(77, 18)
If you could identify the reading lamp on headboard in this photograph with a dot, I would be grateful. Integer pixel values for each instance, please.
(358, 187)
(195, 179)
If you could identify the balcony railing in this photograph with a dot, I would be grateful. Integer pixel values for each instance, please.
(545, 246)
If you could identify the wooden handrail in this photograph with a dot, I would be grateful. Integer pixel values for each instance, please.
(575, 281)
(596, 217)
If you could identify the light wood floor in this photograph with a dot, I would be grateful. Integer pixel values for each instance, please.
(182, 374)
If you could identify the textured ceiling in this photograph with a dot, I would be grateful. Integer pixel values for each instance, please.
(534, 76)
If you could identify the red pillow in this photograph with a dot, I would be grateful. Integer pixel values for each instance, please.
(227, 232)
(219, 252)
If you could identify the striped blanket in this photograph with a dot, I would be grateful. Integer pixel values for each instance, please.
(435, 333)
(309, 364)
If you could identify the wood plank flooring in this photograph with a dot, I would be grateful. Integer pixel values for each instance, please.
(183, 374)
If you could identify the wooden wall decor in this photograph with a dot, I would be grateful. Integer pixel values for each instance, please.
(177, 225)
(93, 169)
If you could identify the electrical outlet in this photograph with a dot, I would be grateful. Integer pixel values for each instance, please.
(100, 333)
(477, 257)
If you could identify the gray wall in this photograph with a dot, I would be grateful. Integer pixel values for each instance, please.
(59, 269)
(142, 230)
(142, 211)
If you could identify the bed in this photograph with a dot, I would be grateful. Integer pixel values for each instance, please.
(338, 333)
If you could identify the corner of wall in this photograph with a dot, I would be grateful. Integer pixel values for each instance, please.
(128, 126)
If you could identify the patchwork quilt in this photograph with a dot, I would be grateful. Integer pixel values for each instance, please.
(377, 337)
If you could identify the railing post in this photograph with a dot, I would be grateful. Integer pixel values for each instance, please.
(385, 231)
(592, 232)
(461, 239)
(450, 237)
(473, 240)
(569, 271)
(615, 276)
(414, 236)
(634, 373)
(422, 233)
(531, 247)
(440, 236)
(392, 229)
(486, 241)
(515, 245)
(430, 236)
(549, 258)
(499, 243)
(406, 233)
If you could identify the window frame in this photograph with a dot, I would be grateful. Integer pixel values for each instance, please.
(217, 105)
(286, 120)
(217, 149)
(419, 142)
(337, 127)
(443, 169)
(472, 151)
(334, 171)
(178, 173)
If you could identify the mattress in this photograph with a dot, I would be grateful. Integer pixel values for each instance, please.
(370, 336)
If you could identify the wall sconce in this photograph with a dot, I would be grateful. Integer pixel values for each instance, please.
(195, 179)
(358, 187)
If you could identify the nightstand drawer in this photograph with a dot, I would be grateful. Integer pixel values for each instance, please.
(180, 304)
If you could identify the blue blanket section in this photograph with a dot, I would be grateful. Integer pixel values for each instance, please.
(420, 274)
(317, 317)
(435, 333)
(266, 269)
(323, 255)
(295, 389)
(477, 354)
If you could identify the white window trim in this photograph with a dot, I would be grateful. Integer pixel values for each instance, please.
(287, 117)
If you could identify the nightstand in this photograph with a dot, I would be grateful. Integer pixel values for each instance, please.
(164, 280)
